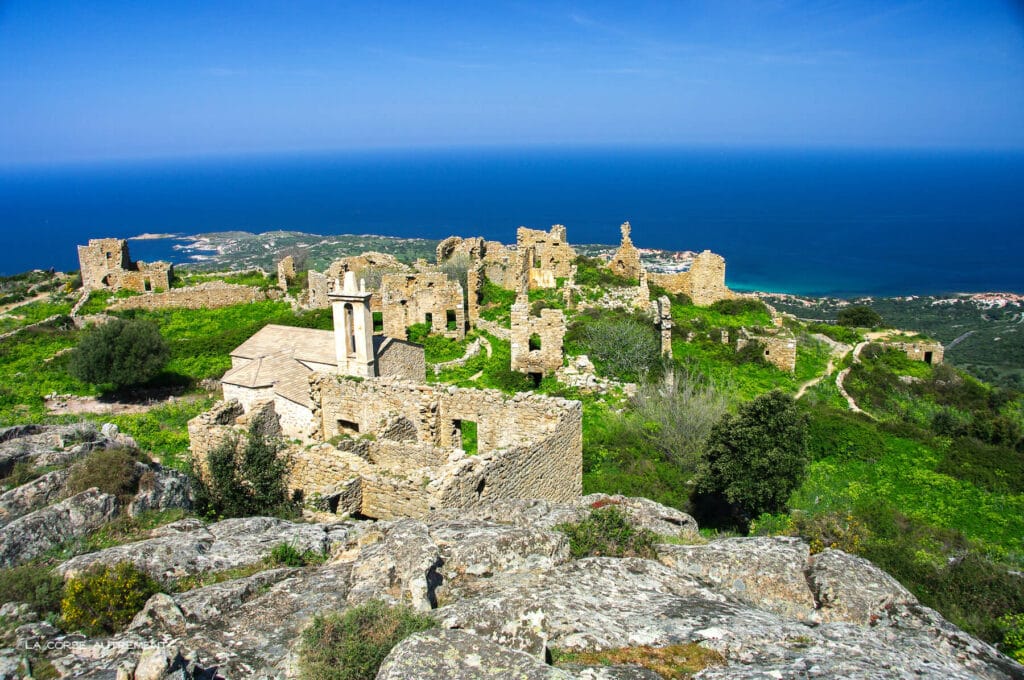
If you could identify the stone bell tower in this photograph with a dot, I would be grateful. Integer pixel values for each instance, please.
(353, 327)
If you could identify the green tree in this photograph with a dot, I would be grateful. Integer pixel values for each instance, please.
(246, 483)
(859, 316)
(119, 353)
(756, 457)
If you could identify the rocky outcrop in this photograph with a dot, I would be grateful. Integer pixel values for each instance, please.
(188, 547)
(161, 488)
(35, 533)
(458, 655)
(504, 592)
(37, 494)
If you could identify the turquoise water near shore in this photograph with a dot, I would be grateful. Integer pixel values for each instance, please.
(811, 222)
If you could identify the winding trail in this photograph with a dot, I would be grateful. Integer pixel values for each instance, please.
(839, 350)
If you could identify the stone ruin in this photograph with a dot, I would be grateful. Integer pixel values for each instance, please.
(929, 351)
(319, 283)
(105, 264)
(400, 448)
(661, 310)
(779, 345)
(551, 258)
(285, 272)
(425, 297)
(704, 282)
(536, 340)
(626, 260)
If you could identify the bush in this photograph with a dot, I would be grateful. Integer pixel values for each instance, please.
(756, 458)
(1012, 626)
(103, 600)
(859, 316)
(287, 555)
(843, 435)
(31, 583)
(621, 346)
(113, 471)
(252, 483)
(119, 353)
(352, 645)
(737, 306)
(418, 333)
(995, 468)
(591, 271)
(836, 530)
(605, 532)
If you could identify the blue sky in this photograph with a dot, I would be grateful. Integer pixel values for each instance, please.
(97, 80)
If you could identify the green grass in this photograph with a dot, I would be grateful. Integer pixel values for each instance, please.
(690, 316)
(161, 430)
(31, 313)
(251, 278)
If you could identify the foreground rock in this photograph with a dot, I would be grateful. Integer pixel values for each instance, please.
(505, 593)
(33, 534)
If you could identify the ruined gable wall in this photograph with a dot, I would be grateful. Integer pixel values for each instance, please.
(453, 246)
(403, 360)
(406, 299)
(626, 260)
(285, 272)
(553, 256)
(209, 295)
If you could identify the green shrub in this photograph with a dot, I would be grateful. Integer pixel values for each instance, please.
(837, 333)
(842, 434)
(352, 645)
(622, 346)
(103, 600)
(287, 555)
(253, 482)
(995, 468)
(418, 333)
(836, 530)
(119, 353)
(605, 532)
(591, 271)
(34, 584)
(112, 471)
(23, 472)
(1012, 626)
(737, 306)
(757, 457)
(859, 316)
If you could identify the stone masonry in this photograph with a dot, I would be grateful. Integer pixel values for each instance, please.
(551, 257)
(415, 459)
(536, 340)
(626, 261)
(929, 352)
(105, 264)
(662, 311)
(704, 282)
(779, 345)
(285, 272)
(426, 297)
(209, 295)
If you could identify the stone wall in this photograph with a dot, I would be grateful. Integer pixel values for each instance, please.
(285, 272)
(474, 291)
(662, 310)
(547, 330)
(401, 359)
(408, 299)
(105, 263)
(626, 260)
(319, 283)
(553, 257)
(474, 248)
(704, 282)
(928, 352)
(779, 345)
(209, 295)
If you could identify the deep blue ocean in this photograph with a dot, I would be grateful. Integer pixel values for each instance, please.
(811, 222)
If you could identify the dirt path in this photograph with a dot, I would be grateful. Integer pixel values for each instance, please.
(841, 378)
(839, 350)
(14, 305)
(66, 404)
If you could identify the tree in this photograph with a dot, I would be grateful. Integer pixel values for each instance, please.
(859, 316)
(621, 346)
(120, 353)
(756, 457)
(253, 482)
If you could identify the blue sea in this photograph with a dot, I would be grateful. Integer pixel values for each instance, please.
(807, 222)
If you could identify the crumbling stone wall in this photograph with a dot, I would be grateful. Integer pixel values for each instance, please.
(662, 310)
(401, 359)
(105, 263)
(474, 248)
(553, 257)
(285, 272)
(408, 299)
(928, 352)
(779, 345)
(319, 283)
(209, 295)
(626, 261)
(547, 330)
(474, 291)
(226, 419)
(704, 282)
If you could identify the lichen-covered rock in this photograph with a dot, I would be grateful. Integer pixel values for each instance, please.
(767, 573)
(402, 568)
(185, 548)
(34, 495)
(641, 513)
(33, 534)
(220, 599)
(458, 655)
(849, 588)
(161, 488)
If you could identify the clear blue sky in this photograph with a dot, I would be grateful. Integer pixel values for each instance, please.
(93, 79)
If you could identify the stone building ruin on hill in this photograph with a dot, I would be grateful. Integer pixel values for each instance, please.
(425, 297)
(105, 264)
